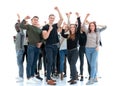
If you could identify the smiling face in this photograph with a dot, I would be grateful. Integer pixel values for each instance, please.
(72, 28)
(51, 18)
(34, 20)
(92, 27)
(17, 27)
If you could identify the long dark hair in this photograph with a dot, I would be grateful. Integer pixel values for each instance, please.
(72, 36)
(94, 25)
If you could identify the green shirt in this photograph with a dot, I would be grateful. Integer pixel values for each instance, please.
(34, 33)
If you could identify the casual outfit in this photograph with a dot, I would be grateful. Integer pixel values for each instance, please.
(92, 54)
(72, 52)
(34, 36)
(82, 43)
(51, 49)
(19, 45)
(25, 45)
(63, 54)
(99, 30)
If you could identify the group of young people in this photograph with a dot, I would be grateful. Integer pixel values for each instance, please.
(55, 42)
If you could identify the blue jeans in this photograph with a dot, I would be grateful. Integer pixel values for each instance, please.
(92, 55)
(33, 54)
(72, 59)
(63, 54)
(20, 62)
(51, 53)
(81, 56)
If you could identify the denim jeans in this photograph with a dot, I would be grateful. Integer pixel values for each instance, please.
(33, 54)
(20, 62)
(42, 55)
(72, 59)
(63, 54)
(92, 55)
(81, 56)
(51, 53)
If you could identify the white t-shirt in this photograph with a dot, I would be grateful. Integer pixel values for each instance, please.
(25, 38)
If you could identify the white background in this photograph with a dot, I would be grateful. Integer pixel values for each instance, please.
(102, 11)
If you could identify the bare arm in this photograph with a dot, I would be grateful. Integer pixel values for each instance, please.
(68, 17)
(60, 16)
(47, 33)
(17, 25)
(85, 20)
(18, 18)
(83, 27)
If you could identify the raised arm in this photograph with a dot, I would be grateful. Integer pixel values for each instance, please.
(23, 23)
(18, 18)
(60, 16)
(68, 17)
(17, 25)
(78, 22)
(85, 20)
(101, 27)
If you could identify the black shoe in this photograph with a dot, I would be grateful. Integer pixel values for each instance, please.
(38, 77)
(81, 79)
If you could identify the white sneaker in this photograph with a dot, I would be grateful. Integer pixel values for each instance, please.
(35, 79)
(19, 79)
(95, 80)
(31, 80)
(90, 82)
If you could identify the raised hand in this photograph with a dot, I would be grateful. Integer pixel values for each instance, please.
(77, 14)
(86, 22)
(50, 27)
(56, 8)
(64, 25)
(66, 14)
(45, 22)
(70, 13)
(60, 16)
(18, 16)
(88, 14)
(27, 17)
